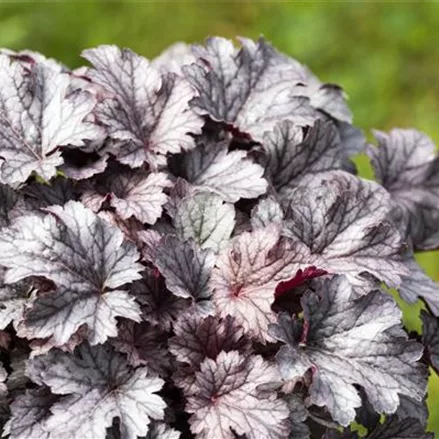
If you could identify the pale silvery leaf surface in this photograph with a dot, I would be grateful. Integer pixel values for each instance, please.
(329, 98)
(149, 113)
(37, 117)
(290, 159)
(29, 57)
(159, 430)
(250, 88)
(345, 220)
(430, 338)
(139, 196)
(29, 414)
(347, 342)
(406, 164)
(131, 193)
(86, 258)
(198, 338)
(417, 284)
(97, 385)
(174, 58)
(205, 218)
(230, 174)
(247, 273)
(158, 217)
(267, 211)
(227, 397)
(186, 269)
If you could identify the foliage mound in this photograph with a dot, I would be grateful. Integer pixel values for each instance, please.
(186, 251)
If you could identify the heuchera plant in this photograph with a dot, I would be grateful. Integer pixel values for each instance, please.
(187, 251)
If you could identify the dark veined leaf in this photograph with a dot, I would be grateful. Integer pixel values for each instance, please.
(159, 306)
(87, 260)
(410, 408)
(186, 270)
(407, 165)
(291, 158)
(29, 414)
(417, 284)
(197, 338)
(430, 338)
(346, 342)
(137, 194)
(37, 116)
(247, 273)
(254, 87)
(228, 396)
(97, 385)
(298, 416)
(144, 345)
(148, 113)
(267, 211)
(230, 174)
(13, 298)
(345, 220)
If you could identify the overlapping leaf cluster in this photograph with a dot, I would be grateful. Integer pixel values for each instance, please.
(186, 251)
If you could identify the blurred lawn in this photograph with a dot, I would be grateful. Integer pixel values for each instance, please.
(385, 55)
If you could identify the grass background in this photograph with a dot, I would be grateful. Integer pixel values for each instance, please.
(385, 55)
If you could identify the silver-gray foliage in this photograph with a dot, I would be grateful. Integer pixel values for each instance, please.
(186, 251)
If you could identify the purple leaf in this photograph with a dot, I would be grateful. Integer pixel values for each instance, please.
(159, 306)
(144, 345)
(29, 414)
(251, 89)
(136, 194)
(292, 159)
(417, 285)
(344, 219)
(347, 342)
(148, 114)
(227, 397)
(186, 270)
(197, 338)
(247, 273)
(230, 174)
(406, 164)
(430, 338)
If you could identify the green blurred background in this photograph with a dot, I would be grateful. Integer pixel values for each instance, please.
(385, 55)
